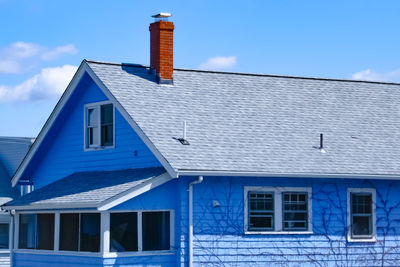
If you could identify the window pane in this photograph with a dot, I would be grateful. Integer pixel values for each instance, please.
(90, 232)
(92, 117)
(123, 232)
(27, 226)
(107, 135)
(107, 127)
(4, 236)
(361, 226)
(69, 231)
(261, 211)
(156, 235)
(45, 231)
(107, 114)
(295, 211)
(361, 214)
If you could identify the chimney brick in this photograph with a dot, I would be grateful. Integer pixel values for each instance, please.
(161, 49)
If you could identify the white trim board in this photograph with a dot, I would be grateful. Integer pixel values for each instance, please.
(84, 68)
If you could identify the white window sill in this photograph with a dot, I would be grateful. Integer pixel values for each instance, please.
(138, 253)
(362, 240)
(98, 148)
(279, 233)
(96, 254)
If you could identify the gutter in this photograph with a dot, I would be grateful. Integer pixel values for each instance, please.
(191, 218)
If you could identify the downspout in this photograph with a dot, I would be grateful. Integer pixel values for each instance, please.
(191, 219)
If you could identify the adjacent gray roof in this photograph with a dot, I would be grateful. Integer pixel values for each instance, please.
(86, 189)
(263, 123)
(12, 151)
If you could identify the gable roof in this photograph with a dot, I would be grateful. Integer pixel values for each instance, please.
(98, 190)
(249, 123)
(12, 151)
(253, 124)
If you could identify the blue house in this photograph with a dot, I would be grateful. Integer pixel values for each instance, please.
(159, 166)
(12, 151)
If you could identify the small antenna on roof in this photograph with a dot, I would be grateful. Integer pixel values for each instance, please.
(321, 142)
(183, 139)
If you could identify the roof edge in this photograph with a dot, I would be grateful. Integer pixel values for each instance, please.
(184, 172)
(247, 73)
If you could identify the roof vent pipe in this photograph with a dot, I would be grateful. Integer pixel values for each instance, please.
(321, 143)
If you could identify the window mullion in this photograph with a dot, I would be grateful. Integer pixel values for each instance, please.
(278, 211)
(140, 235)
(98, 107)
(79, 232)
(105, 232)
(57, 231)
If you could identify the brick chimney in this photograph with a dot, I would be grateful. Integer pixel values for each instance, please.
(161, 48)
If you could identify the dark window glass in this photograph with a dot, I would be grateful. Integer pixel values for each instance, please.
(4, 236)
(90, 232)
(295, 211)
(261, 211)
(123, 232)
(92, 127)
(156, 234)
(45, 231)
(27, 233)
(361, 215)
(69, 231)
(107, 118)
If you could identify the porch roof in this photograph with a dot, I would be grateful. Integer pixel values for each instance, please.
(93, 190)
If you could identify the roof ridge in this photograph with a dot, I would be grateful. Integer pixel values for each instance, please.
(247, 73)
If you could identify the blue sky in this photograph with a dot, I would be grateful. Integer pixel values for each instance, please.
(42, 42)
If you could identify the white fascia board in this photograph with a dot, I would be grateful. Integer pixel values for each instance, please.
(167, 166)
(52, 207)
(288, 175)
(84, 68)
(135, 191)
(49, 123)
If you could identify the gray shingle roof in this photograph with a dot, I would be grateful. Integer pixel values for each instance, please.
(263, 123)
(12, 151)
(87, 189)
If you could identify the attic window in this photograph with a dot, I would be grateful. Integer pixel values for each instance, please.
(99, 125)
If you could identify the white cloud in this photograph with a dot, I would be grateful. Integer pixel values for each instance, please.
(216, 63)
(58, 51)
(370, 75)
(49, 83)
(19, 56)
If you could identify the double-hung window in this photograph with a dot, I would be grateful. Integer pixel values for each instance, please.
(361, 214)
(278, 210)
(99, 125)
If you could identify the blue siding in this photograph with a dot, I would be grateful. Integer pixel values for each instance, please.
(219, 238)
(62, 151)
(39, 260)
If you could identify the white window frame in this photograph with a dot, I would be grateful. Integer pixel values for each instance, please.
(96, 105)
(349, 215)
(104, 235)
(278, 209)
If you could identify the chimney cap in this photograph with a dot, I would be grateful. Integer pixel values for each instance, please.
(162, 15)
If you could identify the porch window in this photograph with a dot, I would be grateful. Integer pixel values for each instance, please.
(156, 235)
(80, 232)
(99, 122)
(362, 214)
(4, 236)
(36, 231)
(278, 210)
(123, 232)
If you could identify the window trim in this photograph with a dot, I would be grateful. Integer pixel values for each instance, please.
(97, 105)
(278, 209)
(104, 235)
(349, 215)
